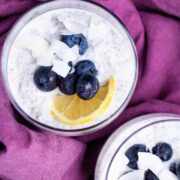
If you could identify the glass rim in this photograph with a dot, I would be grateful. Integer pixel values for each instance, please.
(31, 14)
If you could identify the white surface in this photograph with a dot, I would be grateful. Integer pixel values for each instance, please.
(112, 54)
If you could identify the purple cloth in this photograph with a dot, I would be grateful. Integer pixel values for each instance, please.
(26, 153)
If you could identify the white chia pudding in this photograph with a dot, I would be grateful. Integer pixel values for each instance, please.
(110, 50)
(150, 153)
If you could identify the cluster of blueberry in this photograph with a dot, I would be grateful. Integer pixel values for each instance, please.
(82, 81)
(162, 150)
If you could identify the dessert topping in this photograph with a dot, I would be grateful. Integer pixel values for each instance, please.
(85, 67)
(61, 68)
(45, 79)
(163, 151)
(149, 161)
(87, 86)
(76, 39)
(68, 84)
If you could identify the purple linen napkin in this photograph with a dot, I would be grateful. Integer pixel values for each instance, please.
(26, 153)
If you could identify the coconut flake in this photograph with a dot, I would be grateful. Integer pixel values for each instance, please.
(134, 175)
(97, 31)
(75, 27)
(61, 50)
(167, 175)
(61, 68)
(39, 49)
(75, 50)
(36, 44)
(150, 161)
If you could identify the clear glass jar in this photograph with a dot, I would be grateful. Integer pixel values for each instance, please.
(54, 5)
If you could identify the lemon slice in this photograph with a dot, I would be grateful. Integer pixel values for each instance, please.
(72, 110)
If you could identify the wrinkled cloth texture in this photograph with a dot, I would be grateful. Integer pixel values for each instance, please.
(27, 153)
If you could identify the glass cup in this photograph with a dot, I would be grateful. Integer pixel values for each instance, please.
(140, 130)
(54, 5)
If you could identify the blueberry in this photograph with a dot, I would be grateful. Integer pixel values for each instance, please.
(76, 39)
(149, 175)
(173, 168)
(70, 64)
(87, 86)
(69, 40)
(45, 79)
(178, 170)
(132, 154)
(68, 84)
(83, 46)
(163, 151)
(85, 67)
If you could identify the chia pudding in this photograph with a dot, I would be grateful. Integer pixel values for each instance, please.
(109, 50)
(146, 148)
